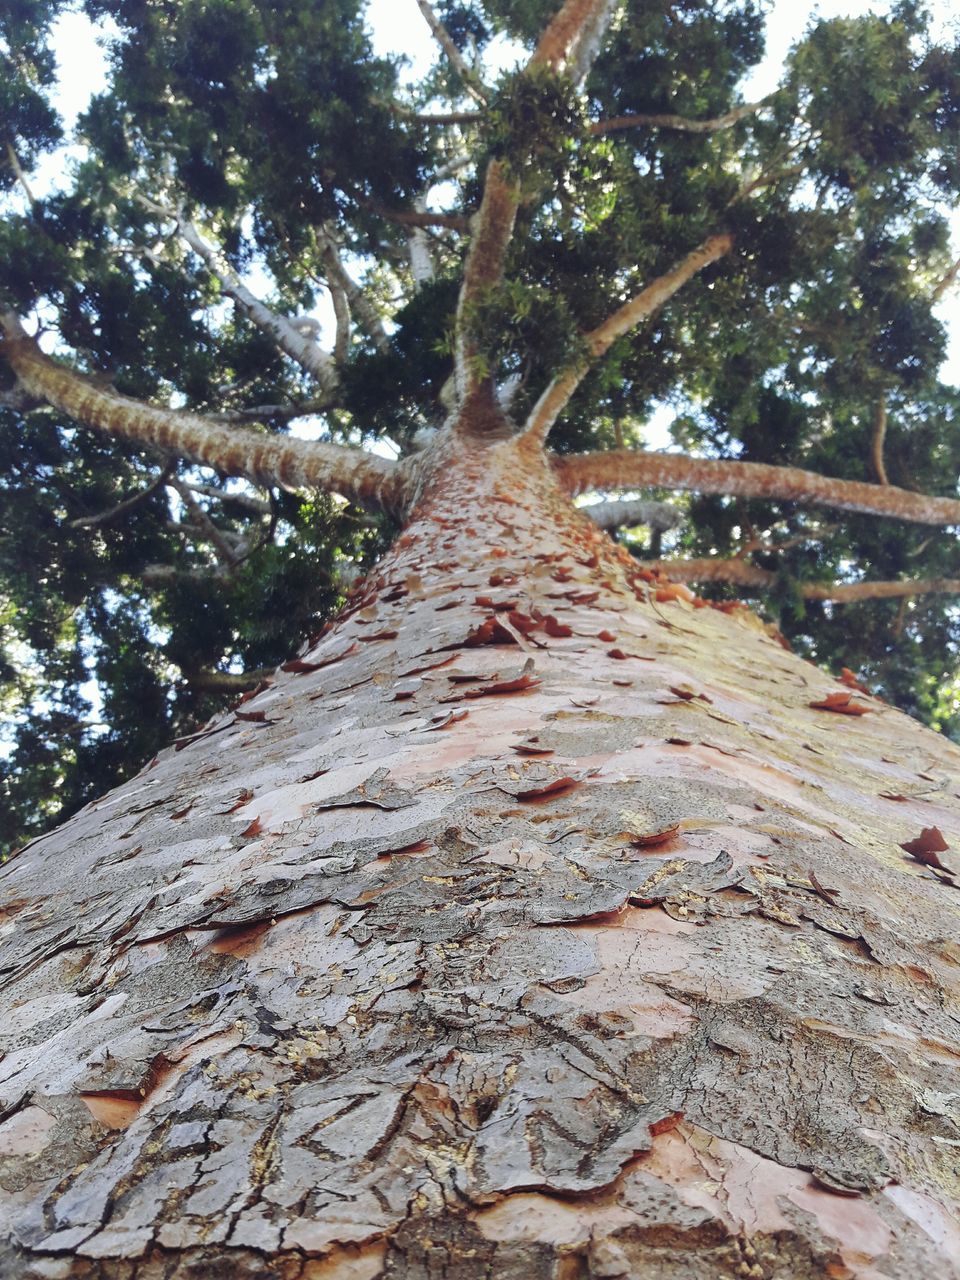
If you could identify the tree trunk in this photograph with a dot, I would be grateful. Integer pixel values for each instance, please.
(524, 927)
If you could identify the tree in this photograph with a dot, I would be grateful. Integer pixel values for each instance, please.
(537, 918)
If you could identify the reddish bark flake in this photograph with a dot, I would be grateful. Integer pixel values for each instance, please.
(665, 1124)
(515, 684)
(253, 693)
(926, 847)
(674, 591)
(254, 829)
(490, 631)
(894, 795)
(388, 634)
(531, 747)
(607, 637)
(842, 703)
(300, 667)
(850, 680)
(547, 788)
(523, 622)
(181, 813)
(444, 722)
(555, 628)
(257, 717)
(406, 689)
(240, 801)
(616, 653)
(648, 839)
(680, 742)
(501, 578)
(686, 694)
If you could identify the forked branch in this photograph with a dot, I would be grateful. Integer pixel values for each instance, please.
(636, 469)
(443, 38)
(639, 308)
(233, 451)
(743, 574)
(572, 40)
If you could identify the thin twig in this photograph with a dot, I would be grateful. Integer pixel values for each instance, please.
(104, 517)
(879, 435)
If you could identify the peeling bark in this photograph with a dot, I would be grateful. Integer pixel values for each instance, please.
(233, 451)
(635, 469)
(525, 926)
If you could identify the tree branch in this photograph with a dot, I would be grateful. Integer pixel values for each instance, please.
(631, 511)
(572, 39)
(104, 517)
(876, 443)
(639, 308)
(14, 161)
(636, 469)
(741, 573)
(360, 304)
(227, 681)
(420, 217)
(681, 123)
(300, 348)
(445, 41)
(264, 459)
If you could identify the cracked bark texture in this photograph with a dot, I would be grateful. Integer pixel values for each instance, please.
(524, 926)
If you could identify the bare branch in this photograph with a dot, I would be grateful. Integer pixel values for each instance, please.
(681, 123)
(631, 511)
(89, 522)
(255, 505)
(742, 574)
(639, 308)
(299, 347)
(339, 277)
(442, 36)
(14, 161)
(273, 412)
(264, 459)
(438, 118)
(420, 217)
(879, 436)
(572, 40)
(636, 469)
(418, 245)
(203, 524)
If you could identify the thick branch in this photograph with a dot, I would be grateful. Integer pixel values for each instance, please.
(682, 123)
(445, 40)
(492, 229)
(227, 681)
(636, 469)
(631, 511)
(639, 308)
(572, 40)
(311, 357)
(743, 574)
(233, 451)
(421, 218)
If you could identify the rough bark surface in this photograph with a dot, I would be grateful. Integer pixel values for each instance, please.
(524, 926)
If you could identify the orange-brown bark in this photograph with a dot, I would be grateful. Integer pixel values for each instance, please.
(635, 468)
(523, 926)
(233, 451)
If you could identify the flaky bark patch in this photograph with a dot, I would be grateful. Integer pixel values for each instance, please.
(522, 923)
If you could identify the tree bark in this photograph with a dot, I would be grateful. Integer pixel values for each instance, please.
(523, 927)
(635, 469)
(233, 451)
(744, 574)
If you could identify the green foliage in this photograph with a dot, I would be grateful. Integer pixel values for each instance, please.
(268, 122)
